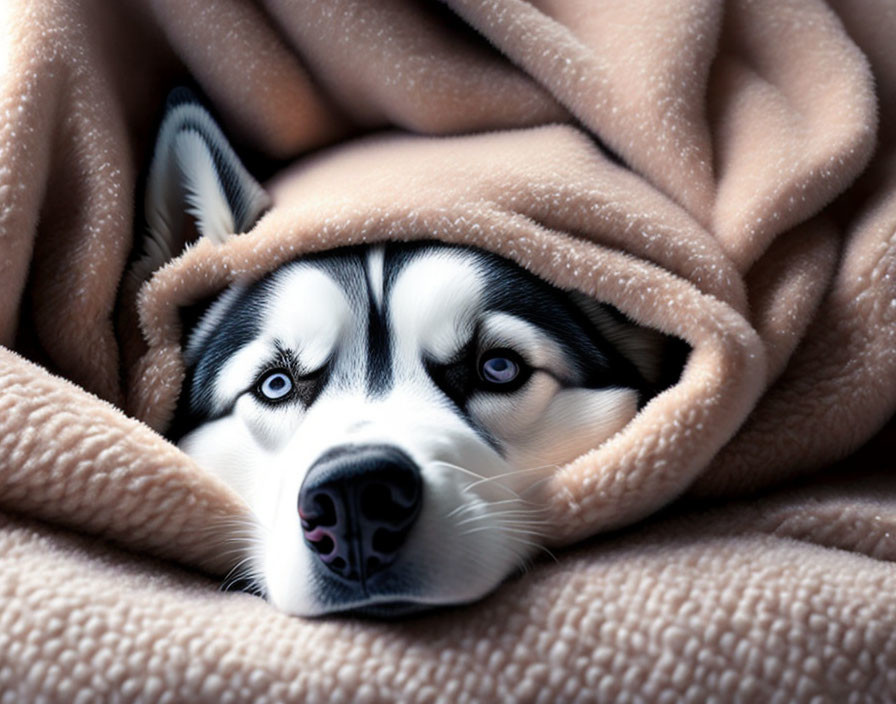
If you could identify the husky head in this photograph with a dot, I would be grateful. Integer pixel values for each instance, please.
(387, 411)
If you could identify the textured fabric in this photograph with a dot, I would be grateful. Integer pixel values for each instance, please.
(723, 172)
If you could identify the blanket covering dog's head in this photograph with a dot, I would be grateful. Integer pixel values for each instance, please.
(387, 412)
(585, 434)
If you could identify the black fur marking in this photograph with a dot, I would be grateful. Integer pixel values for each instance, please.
(380, 375)
(239, 325)
(508, 289)
(348, 267)
(457, 378)
(515, 291)
(397, 255)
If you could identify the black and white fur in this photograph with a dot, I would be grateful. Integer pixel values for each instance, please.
(472, 376)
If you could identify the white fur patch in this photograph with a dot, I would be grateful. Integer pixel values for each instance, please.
(309, 313)
(536, 346)
(433, 305)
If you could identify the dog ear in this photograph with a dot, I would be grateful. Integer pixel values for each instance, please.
(196, 186)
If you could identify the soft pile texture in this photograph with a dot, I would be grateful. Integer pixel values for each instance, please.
(722, 171)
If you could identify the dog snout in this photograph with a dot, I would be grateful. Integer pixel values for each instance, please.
(357, 505)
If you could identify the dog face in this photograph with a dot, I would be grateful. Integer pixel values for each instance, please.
(389, 411)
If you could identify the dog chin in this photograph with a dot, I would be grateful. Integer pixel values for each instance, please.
(395, 592)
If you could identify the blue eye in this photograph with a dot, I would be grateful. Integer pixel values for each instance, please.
(500, 367)
(275, 386)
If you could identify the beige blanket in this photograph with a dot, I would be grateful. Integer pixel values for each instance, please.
(724, 172)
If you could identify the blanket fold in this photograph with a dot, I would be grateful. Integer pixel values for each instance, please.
(724, 172)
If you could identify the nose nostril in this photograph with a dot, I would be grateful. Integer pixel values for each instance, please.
(376, 503)
(324, 546)
(405, 487)
(325, 513)
(387, 542)
(388, 502)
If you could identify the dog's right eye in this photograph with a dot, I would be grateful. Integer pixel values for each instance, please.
(275, 386)
(503, 370)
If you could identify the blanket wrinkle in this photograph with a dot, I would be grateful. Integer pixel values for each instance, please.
(723, 172)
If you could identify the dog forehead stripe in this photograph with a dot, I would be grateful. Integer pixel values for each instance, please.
(380, 374)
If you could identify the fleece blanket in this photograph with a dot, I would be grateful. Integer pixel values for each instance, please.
(724, 172)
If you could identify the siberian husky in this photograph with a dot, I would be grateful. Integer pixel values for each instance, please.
(388, 412)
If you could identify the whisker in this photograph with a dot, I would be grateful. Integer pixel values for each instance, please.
(519, 519)
(464, 470)
(239, 571)
(501, 516)
(537, 546)
(481, 479)
(504, 529)
(536, 513)
(537, 484)
(516, 472)
(517, 530)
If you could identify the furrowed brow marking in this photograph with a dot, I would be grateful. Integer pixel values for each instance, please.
(286, 358)
(379, 346)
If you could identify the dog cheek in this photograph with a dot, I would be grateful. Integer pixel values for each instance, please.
(225, 448)
(511, 417)
(271, 427)
(462, 559)
(576, 421)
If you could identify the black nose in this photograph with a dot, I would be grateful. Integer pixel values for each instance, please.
(357, 505)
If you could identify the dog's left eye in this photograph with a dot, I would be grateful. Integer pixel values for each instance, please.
(500, 367)
(275, 386)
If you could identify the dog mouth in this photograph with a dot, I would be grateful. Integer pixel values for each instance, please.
(385, 595)
(388, 609)
(336, 601)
